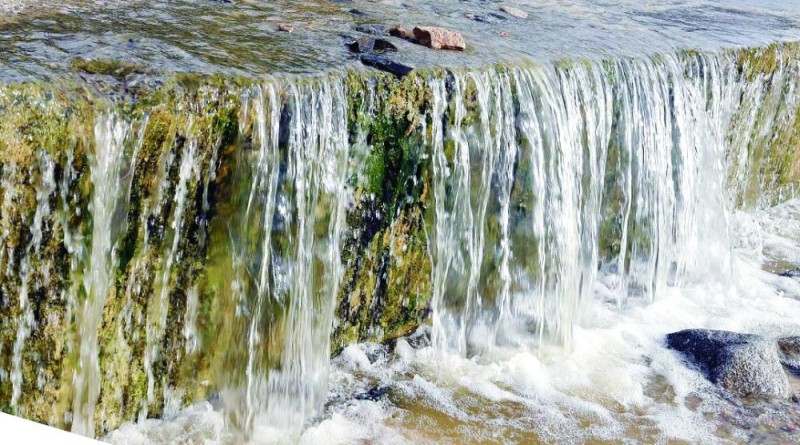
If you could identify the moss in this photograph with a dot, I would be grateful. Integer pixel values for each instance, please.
(754, 62)
(42, 163)
(119, 69)
(380, 295)
(768, 173)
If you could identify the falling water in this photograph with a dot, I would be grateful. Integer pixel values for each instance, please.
(108, 195)
(540, 147)
(295, 211)
(218, 248)
(157, 318)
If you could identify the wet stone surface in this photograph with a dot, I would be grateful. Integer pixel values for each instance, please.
(744, 364)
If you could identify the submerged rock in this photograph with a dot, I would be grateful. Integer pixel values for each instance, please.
(368, 45)
(744, 364)
(374, 394)
(515, 12)
(386, 64)
(439, 38)
(790, 352)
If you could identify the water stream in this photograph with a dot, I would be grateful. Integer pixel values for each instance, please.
(579, 213)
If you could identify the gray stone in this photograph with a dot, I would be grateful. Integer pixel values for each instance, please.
(790, 352)
(373, 29)
(518, 13)
(744, 364)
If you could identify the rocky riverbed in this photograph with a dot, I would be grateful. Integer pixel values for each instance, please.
(244, 36)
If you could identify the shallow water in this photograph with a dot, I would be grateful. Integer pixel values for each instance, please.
(241, 36)
(618, 384)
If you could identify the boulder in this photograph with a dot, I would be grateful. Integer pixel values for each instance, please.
(285, 27)
(439, 38)
(518, 13)
(369, 44)
(744, 364)
(400, 32)
(385, 64)
(790, 352)
(373, 29)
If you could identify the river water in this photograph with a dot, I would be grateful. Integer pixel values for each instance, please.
(241, 36)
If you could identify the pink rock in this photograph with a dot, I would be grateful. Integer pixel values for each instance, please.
(439, 38)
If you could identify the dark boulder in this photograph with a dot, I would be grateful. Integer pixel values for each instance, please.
(744, 364)
(368, 45)
(374, 394)
(386, 64)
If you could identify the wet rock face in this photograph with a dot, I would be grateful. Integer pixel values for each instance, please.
(744, 364)
(790, 352)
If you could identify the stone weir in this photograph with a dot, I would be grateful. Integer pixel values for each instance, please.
(219, 237)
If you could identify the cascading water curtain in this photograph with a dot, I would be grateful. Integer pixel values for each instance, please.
(287, 251)
(203, 245)
(556, 184)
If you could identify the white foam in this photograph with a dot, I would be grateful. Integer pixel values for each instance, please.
(618, 380)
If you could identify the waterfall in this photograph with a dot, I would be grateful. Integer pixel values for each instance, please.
(219, 242)
(566, 157)
(107, 196)
(289, 257)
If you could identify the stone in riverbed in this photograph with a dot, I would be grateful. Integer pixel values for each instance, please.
(439, 38)
(373, 29)
(402, 33)
(790, 352)
(744, 364)
(374, 394)
(518, 13)
(386, 64)
(368, 45)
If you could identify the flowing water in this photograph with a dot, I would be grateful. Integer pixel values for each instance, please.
(571, 214)
(542, 330)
